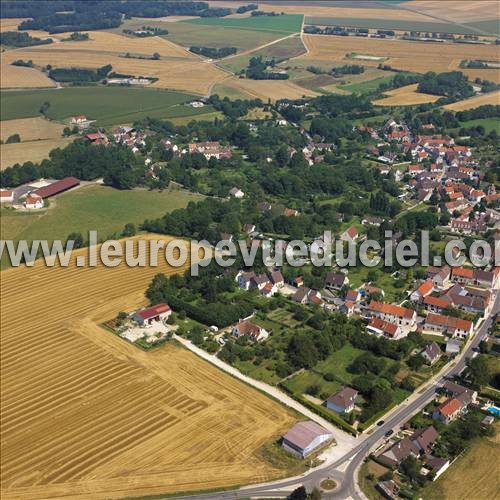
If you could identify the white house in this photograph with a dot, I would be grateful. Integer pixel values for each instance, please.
(342, 401)
(254, 332)
(149, 315)
(6, 196)
(236, 193)
(33, 201)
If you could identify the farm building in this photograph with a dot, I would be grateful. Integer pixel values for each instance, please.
(57, 187)
(33, 201)
(304, 438)
(147, 316)
(6, 196)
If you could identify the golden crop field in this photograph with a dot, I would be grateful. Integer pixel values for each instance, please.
(405, 96)
(34, 151)
(475, 102)
(31, 129)
(419, 57)
(11, 24)
(177, 69)
(318, 11)
(457, 10)
(269, 89)
(87, 415)
(21, 77)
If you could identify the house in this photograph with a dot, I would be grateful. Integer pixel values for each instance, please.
(448, 411)
(277, 279)
(335, 281)
(382, 328)
(353, 296)
(431, 353)
(392, 313)
(462, 393)
(6, 196)
(298, 281)
(147, 316)
(350, 234)
(305, 437)
(372, 221)
(486, 278)
(268, 290)
(453, 347)
(436, 465)
(244, 279)
(97, 139)
(249, 228)
(342, 401)
(449, 325)
(33, 201)
(435, 304)
(290, 212)
(348, 308)
(388, 489)
(264, 206)
(426, 288)
(462, 275)
(419, 443)
(254, 332)
(76, 120)
(373, 290)
(305, 295)
(236, 193)
(210, 149)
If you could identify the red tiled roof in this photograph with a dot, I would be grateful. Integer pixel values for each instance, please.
(391, 309)
(152, 312)
(425, 288)
(5, 194)
(436, 302)
(448, 321)
(462, 272)
(449, 407)
(57, 187)
(386, 327)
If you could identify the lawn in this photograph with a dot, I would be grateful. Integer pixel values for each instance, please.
(366, 87)
(299, 383)
(471, 476)
(285, 24)
(99, 208)
(338, 362)
(107, 105)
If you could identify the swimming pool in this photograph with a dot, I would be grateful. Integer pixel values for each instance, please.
(494, 410)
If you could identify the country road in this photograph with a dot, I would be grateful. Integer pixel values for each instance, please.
(346, 476)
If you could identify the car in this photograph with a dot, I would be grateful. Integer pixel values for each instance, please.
(380, 422)
(389, 433)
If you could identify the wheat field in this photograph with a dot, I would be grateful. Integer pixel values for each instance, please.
(31, 129)
(86, 415)
(475, 102)
(404, 55)
(176, 69)
(405, 96)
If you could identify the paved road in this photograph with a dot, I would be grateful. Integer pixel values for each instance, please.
(354, 458)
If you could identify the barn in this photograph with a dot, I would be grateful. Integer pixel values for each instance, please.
(305, 437)
(149, 315)
(57, 187)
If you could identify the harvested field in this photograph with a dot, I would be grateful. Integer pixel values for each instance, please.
(34, 151)
(231, 92)
(11, 24)
(457, 10)
(21, 77)
(177, 68)
(269, 89)
(404, 55)
(475, 102)
(104, 419)
(405, 96)
(31, 129)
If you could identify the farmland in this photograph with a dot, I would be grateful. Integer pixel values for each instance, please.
(31, 129)
(107, 105)
(34, 151)
(176, 68)
(105, 419)
(470, 476)
(82, 210)
(284, 49)
(272, 89)
(20, 77)
(418, 57)
(405, 96)
(475, 102)
(284, 25)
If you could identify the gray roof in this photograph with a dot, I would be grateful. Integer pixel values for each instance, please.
(303, 434)
(344, 398)
(432, 350)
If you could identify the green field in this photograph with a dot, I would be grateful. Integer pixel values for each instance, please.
(280, 51)
(392, 24)
(99, 208)
(491, 26)
(366, 87)
(285, 24)
(107, 105)
(489, 124)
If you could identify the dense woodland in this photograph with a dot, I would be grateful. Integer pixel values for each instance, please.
(213, 53)
(16, 39)
(80, 75)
